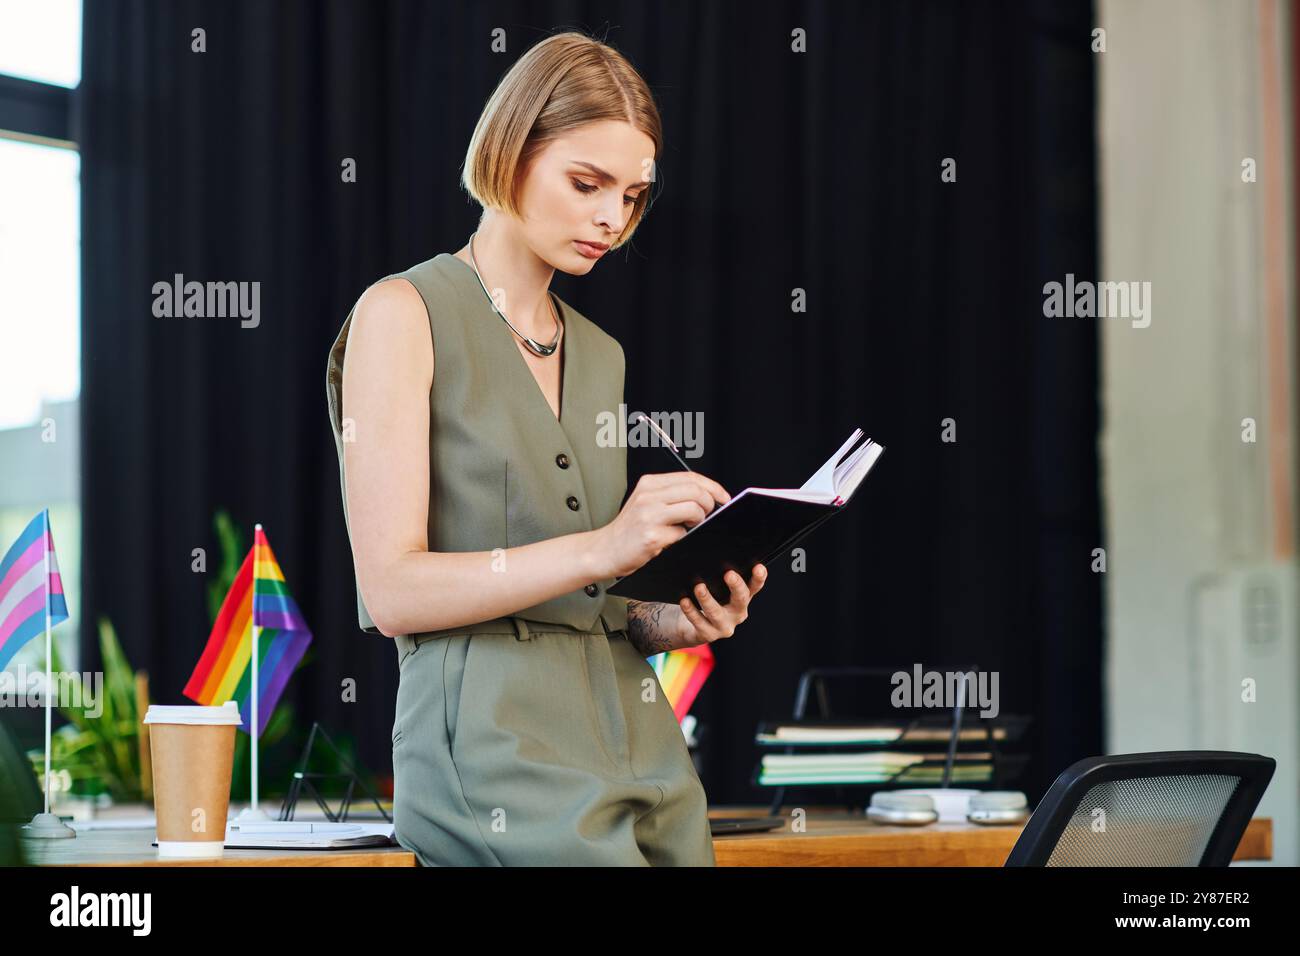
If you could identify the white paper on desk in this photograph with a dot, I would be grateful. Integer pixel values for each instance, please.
(306, 835)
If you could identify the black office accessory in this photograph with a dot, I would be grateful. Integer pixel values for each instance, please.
(754, 527)
(302, 777)
(720, 826)
(1186, 808)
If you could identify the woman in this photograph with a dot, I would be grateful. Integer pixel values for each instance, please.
(484, 515)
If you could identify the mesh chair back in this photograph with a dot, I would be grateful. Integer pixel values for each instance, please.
(1158, 809)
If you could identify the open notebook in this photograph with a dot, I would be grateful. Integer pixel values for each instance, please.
(754, 527)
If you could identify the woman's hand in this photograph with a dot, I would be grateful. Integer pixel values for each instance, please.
(653, 517)
(712, 621)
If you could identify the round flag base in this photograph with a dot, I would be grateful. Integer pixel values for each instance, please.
(46, 826)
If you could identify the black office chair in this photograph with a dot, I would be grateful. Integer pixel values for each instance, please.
(1186, 808)
(20, 797)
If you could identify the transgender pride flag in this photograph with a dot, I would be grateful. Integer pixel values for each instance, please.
(31, 590)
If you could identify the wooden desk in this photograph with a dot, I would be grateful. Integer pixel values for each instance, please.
(833, 838)
(837, 838)
(134, 848)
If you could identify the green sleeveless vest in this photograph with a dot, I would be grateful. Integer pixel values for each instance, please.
(504, 471)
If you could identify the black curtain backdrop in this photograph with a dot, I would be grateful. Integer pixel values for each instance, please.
(781, 170)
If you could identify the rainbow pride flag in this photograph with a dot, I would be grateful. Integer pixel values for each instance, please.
(27, 592)
(259, 596)
(682, 673)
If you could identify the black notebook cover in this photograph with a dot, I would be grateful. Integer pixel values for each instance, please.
(754, 529)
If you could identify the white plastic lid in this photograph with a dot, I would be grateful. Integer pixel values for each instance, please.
(227, 713)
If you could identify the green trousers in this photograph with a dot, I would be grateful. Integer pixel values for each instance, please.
(519, 745)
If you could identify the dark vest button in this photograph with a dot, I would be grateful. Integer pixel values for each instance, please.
(572, 502)
(592, 590)
(562, 460)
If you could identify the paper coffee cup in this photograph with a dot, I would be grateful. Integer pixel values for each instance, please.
(193, 749)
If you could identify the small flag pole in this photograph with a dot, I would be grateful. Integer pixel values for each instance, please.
(47, 825)
(253, 811)
(45, 546)
(257, 530)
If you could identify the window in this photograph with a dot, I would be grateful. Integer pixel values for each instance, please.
(40, 314)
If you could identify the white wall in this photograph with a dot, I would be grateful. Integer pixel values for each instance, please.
(1186, 90)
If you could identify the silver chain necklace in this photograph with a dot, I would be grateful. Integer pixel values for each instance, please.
(533, 345)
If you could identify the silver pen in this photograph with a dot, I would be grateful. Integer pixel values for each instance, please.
(671, 447)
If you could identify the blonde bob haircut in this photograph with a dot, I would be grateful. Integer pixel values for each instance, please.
(563, 82)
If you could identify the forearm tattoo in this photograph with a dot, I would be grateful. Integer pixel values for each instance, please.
(650, 626)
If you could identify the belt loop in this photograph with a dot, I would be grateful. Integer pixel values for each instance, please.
(521, 629)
